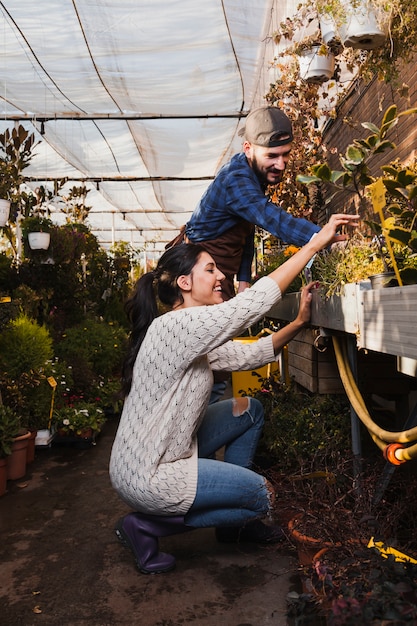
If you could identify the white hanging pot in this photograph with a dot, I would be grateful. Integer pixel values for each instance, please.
(4, 212)
(328, 29)
(39, 241)
(364, 28)
(314, 67)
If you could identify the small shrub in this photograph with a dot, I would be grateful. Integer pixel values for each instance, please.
(24, 346)
(303, 432)
(95, 350)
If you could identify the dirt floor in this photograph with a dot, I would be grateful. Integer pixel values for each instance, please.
(61, 564)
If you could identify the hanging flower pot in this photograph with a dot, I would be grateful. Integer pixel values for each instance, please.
(316, 67)
(39, 241)
(365, 28)
(4, 212)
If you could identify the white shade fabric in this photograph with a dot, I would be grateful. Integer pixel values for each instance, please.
(142, 99)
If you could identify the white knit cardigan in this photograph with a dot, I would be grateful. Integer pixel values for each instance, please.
(153, 464)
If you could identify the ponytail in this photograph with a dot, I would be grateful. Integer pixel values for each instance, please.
(142, 306)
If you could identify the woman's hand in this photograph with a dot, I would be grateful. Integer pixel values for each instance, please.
(304, 310)
(288, 332)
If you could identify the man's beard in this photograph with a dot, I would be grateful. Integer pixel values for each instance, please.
(262, 176)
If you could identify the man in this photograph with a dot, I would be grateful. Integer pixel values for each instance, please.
(225, 218)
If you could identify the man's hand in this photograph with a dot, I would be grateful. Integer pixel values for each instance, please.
(242, 286)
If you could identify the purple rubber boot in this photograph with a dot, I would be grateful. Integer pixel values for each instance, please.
(140, 533)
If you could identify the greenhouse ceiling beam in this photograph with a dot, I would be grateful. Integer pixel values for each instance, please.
(44, 117)
(104, 179)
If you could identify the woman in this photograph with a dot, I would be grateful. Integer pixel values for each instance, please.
(162, 461)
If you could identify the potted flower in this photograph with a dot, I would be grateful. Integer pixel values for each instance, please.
(80, 422)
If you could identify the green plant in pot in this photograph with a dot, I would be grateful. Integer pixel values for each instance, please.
(394, 231)
(10, 427)
(25, 350)
(36, 231)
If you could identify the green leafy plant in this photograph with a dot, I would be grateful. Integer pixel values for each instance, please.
(24, 346)
(398, 222)
(16, 147)
(9, 429)
(297, 426)
(95, 350)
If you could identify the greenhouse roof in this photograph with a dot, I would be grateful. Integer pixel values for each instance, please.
(141, 100)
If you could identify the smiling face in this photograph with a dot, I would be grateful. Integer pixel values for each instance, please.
(267, 163)
(203, 285)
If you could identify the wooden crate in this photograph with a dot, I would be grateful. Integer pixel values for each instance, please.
(314, 370)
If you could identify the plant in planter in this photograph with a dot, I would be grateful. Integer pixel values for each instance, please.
(395, 234)
(385, 34)
(81, 420)
(9, 429)
(36, 231)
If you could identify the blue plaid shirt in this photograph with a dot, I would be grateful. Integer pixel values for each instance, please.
(237, 194)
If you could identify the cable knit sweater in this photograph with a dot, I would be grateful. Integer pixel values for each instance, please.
(153, 464)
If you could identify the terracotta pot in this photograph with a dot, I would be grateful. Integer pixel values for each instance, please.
(30, 451)
(3, 475)
(16, 462)
(307, 547)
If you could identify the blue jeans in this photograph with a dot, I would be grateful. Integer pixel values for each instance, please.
(229, 493)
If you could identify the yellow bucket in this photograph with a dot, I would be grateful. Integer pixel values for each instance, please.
(242, 381)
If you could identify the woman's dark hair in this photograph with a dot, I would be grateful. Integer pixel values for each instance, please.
(142, 306)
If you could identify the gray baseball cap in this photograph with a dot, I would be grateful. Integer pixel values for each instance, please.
(267, 126)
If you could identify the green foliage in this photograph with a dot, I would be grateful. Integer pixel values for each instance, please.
(94, 349)
(9, 429)
(24, 346)
(35, 223)
(303, 432)
(270, 261)
(16, 147)
(356, 175)
(356, 261)
(398, 225)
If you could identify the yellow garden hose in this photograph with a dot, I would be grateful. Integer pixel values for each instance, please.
(391, 443)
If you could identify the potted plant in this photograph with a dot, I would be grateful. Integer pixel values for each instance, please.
(9, 429)
(384, 36)
(78, 423)
(394, 229)
(36, 230)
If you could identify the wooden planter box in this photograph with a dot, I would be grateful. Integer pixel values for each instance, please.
(314, 370)
(382, 320)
